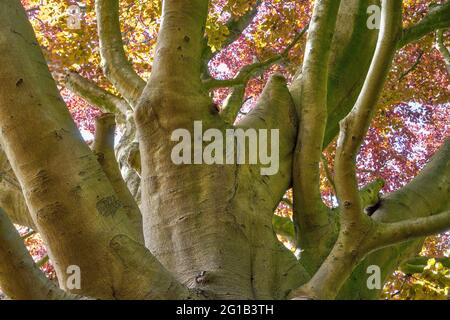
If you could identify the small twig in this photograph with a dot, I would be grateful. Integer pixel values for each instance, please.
(247, 71)
(42, 261)
(413, 67)
(401, 287)
(27, 235)
(440, 44)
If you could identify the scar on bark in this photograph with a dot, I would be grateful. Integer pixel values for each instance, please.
(51, 211)
(108, 206)
(40, 182)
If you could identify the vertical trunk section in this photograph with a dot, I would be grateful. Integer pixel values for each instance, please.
(70, 199)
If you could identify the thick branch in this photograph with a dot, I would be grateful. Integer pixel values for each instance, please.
(177, 65)
(354, 127)
(436, 19)
(417, 205)
(418, 264)
(55, 167)
(275, 111)
(20, 278)
(352, 50)
(233, 104)
(115, 64)
(426, 195)
(396, 232)
(95, 95)
(309, 210)
(151, 280)
(349, 248)
(104, 149)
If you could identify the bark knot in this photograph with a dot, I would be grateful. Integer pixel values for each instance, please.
(201, 278)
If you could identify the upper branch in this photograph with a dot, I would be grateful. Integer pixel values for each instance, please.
(348, 250)
(354, 127)
(95, 95)
(20, 278)
(235, 25)
(249, 70)
(415, 210)
(437, 18)
(410, 212)
(177, 65)
(419, 209)
(392, 233)
(243, 75)
(419, 263)
(115, 64)
(310, 211)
